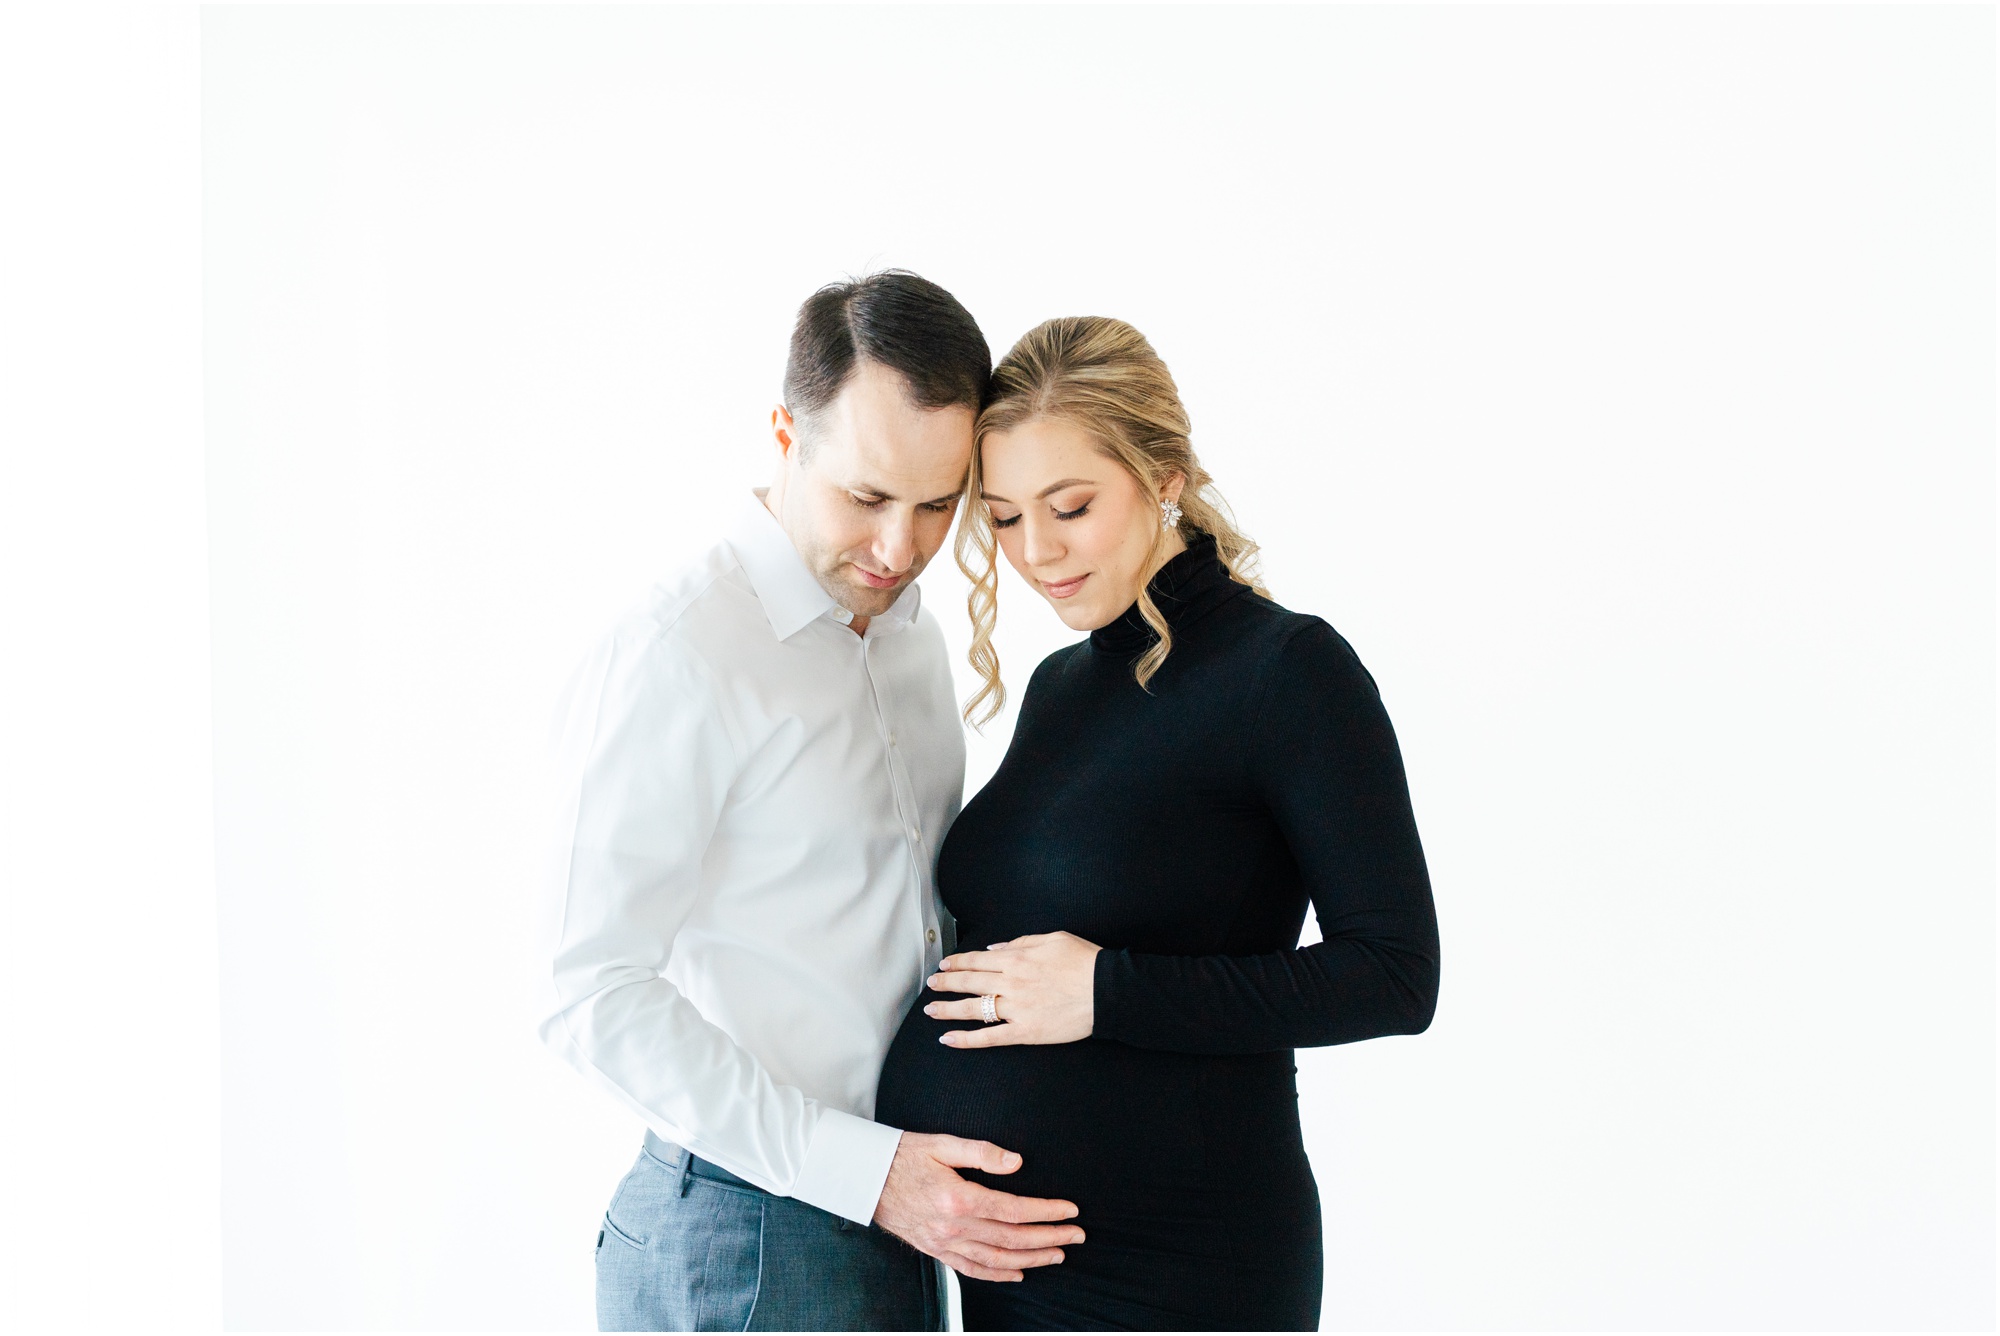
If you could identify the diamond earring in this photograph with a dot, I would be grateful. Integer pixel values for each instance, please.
(1170, 514)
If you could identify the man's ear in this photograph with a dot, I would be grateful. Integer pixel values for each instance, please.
(783, 430)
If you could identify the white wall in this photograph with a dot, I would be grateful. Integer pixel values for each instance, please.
(109, 1096)
(1619, 381)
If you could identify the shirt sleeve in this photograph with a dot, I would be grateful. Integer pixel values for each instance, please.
(644, 759)
(1325, 761)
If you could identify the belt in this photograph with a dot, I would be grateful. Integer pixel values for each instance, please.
(692, 1165)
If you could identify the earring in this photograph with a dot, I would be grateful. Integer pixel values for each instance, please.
(1170, 514)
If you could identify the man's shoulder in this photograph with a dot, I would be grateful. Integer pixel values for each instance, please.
(703, 610)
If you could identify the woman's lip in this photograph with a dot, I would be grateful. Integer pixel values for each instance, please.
(1064, 588)
(878, 581)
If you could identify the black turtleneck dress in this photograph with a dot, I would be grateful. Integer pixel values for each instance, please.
(1184, 829)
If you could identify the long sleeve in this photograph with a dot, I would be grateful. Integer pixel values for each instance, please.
(645, 760)
(1325, 760)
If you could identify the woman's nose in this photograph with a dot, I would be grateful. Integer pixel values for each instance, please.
(1040, 547)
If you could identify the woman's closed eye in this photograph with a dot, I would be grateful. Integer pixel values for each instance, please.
(1012, 520)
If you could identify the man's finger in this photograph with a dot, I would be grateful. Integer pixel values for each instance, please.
(1024, 1238)
(1000, 1258)
(960, 1153)
(965, 1266)
(992, 1204)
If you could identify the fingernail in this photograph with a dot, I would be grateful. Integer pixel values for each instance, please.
(930, 1008)
(948, 1037)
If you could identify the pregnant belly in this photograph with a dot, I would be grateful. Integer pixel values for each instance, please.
(1127, 1134)
(1078, 1114)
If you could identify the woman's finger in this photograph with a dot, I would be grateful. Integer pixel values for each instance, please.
(968, 981)
(964, 960)
(986, 1036)
(957, 1009)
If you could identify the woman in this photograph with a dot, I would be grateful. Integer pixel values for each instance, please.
(1177, 789)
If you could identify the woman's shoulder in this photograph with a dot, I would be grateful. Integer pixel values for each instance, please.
(1300, 647)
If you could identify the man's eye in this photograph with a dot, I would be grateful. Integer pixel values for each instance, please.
(866, 502)
(1072, 514)
(939, 507)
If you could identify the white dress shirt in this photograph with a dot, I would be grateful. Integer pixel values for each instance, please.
(752, 800)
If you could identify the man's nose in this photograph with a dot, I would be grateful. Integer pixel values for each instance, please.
(896, 543)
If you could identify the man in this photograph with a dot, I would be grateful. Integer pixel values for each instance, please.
(758, 766)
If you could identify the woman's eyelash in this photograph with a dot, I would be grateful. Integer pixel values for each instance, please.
(1013, 520)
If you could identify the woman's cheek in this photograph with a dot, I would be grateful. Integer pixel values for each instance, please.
(1010, 548)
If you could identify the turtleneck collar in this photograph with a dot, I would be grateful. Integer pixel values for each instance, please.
(1186, 589)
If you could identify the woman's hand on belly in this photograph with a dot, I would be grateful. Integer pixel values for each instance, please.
(1043, 989)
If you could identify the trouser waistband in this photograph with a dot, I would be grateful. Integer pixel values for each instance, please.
(692, 1165)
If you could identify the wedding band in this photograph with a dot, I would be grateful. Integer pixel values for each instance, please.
(988, 1012)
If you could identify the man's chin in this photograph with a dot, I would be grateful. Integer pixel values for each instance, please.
(864, 600)
(872, 602)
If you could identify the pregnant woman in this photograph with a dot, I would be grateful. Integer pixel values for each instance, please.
(1131, 883)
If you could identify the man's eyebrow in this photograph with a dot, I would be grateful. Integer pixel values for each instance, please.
(1048, 491)
(868, 489)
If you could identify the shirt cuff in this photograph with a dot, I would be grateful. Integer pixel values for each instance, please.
(846, 1165)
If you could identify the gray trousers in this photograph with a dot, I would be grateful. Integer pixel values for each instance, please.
(688, 1246)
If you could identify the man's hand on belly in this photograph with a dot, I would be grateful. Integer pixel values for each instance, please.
(974, 1230)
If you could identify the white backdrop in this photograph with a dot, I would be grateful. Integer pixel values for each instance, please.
(1619, 381)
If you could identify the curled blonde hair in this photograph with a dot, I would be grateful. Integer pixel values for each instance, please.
(1100, 375)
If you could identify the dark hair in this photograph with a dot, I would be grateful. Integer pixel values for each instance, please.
(894, 318)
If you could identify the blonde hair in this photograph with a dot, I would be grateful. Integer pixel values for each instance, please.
(1100, 375)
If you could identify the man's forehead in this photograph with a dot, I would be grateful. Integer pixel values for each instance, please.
(899, 458)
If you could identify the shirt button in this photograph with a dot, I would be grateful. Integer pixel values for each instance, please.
(930, 934)
(892, 737)
(915, 836)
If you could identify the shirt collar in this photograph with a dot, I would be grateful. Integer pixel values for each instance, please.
(792, 598)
